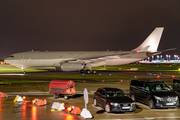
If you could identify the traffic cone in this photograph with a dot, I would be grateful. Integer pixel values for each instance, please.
(2, 95)
(76, 110)
(45, 103)
(40, 102)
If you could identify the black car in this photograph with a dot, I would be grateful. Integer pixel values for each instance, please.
(176, 86)
(155, 93)
(113, 100)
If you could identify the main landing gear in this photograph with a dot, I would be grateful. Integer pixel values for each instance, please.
(88, 71)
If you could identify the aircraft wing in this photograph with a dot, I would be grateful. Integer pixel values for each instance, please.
(97, 59)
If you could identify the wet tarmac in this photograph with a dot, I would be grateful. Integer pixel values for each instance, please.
(10, 110)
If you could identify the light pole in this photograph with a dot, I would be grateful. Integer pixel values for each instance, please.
(161, 57)
(157, 57)
(166, 57)
(169, 57)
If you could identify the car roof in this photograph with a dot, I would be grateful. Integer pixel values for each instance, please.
(109, 88)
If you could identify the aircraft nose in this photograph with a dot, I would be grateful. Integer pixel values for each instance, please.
(6, 60)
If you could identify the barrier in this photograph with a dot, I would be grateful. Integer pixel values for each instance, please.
(2, 95)
(18, 99)
(75, 110)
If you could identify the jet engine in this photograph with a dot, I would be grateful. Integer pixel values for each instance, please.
(71, 66)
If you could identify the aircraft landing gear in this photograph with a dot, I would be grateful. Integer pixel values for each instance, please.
(88, 71)
(93, 72)
(24, 71)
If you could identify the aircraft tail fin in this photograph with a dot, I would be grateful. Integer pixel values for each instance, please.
(152, 41)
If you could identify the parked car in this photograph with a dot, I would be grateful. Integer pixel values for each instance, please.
(113, 100)
(176, 86)
(156, 94)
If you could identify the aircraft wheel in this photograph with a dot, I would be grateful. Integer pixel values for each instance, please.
(88, 71)
(82, 71)
(93, 72)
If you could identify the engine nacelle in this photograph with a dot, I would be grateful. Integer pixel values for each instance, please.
(71, 66)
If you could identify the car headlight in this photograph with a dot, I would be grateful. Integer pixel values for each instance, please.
(176, 99)
(114, 104)
(158, 98)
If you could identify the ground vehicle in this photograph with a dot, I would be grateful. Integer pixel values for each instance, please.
(176, 86)
(113, 99)
(64, 88)
(156, 94)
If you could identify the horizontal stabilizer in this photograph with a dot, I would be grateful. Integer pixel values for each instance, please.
(149, 54)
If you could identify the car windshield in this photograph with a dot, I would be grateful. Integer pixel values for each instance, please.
(157, 87)
(115, 93)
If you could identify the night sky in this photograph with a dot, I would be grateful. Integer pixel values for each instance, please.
(86, 25)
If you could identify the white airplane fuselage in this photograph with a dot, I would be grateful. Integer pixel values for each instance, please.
(54, 59)
(78, 60)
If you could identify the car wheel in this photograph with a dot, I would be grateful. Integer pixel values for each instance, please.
(66, 97)
(54, 96)
(151, 104)
(133, 97)
(95, 102)
(107, 108)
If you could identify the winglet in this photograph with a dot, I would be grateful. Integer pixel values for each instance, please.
(152, 41)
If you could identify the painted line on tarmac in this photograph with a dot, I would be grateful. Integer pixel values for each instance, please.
(12, 74)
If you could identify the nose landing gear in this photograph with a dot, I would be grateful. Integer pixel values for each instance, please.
(24, 71)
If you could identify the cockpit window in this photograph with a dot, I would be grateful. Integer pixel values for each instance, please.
(11, 56)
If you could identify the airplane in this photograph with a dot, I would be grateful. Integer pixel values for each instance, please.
(79, 60)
